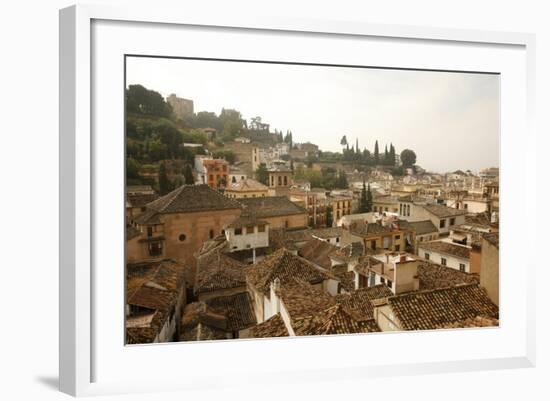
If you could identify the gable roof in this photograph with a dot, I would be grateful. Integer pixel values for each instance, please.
(246, 185)
(360, 300)
(154, 286)
(444, 211)
(192, 198)
(237, 309)
(285, 266)
(217, 271)
(317, 252)
(419, 227)
(428, 310)
(270, 206)
(272, 327)
(432, 276)
(352, 251)
(333, 320)
(444, 247)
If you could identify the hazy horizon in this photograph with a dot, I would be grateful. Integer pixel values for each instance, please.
(451, 120)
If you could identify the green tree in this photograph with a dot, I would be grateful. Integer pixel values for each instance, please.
(188, 175)
(344, 141)
(262, 175)
(140, 100)
(392, 155)
(369, 199)
(165, 185)
(329, 216)
(132, 168)
(376, 153)
(226, 154)
(408, 158)
(363, 207)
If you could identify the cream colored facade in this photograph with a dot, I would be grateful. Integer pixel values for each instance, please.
(489, 270)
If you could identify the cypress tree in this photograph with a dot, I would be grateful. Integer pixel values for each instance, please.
(188, 175)
(376, 153)
(363, 208)
(164, 182)
(369, 199)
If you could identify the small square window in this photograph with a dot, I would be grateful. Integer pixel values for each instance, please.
(238, 231)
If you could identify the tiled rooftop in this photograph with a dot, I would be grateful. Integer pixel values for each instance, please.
(236, 308)
(317, 252)
(428, 310)
(272, 327)
(444, 211)
(270, 206)
(432, 276)
(246, 185)
(285, 266)
(192, 198)
(447, 248)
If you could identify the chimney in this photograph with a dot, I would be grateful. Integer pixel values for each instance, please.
(274, 289)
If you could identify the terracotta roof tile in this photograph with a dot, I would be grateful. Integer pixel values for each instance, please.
(272, 327)
(270, 206)
(285, 266)
(192, 198)
(444, 247)
(317, 252)
(428, 310)
(236, 308)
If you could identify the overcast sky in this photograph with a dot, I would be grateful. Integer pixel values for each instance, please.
(451, 120)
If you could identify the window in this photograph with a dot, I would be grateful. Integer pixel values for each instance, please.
(443, 262)
(250, 229)
(337, 240)
(155, 249)
(442, 223)
(427, 256)
(408, 210)
(462, 267)
(375, 208)
(382, 280)
(397, 248)
(389, 283)
(211, 234)
(149, 231)
(279, 182)
(466, 206)
(386, 209)
(397, 237)
(373, 244)
(182, 237)
(452, 221)
(238, 231)
(286, 180)
(401, 209)
(211, 177)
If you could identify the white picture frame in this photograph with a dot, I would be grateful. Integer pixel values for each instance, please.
(83, 204)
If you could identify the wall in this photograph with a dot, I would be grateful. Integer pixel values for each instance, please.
(489, 271)
(247, 241)
(291, 221)
(196, 227)
(452, 261)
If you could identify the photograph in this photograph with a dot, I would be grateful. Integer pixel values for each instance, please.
(269, 199)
